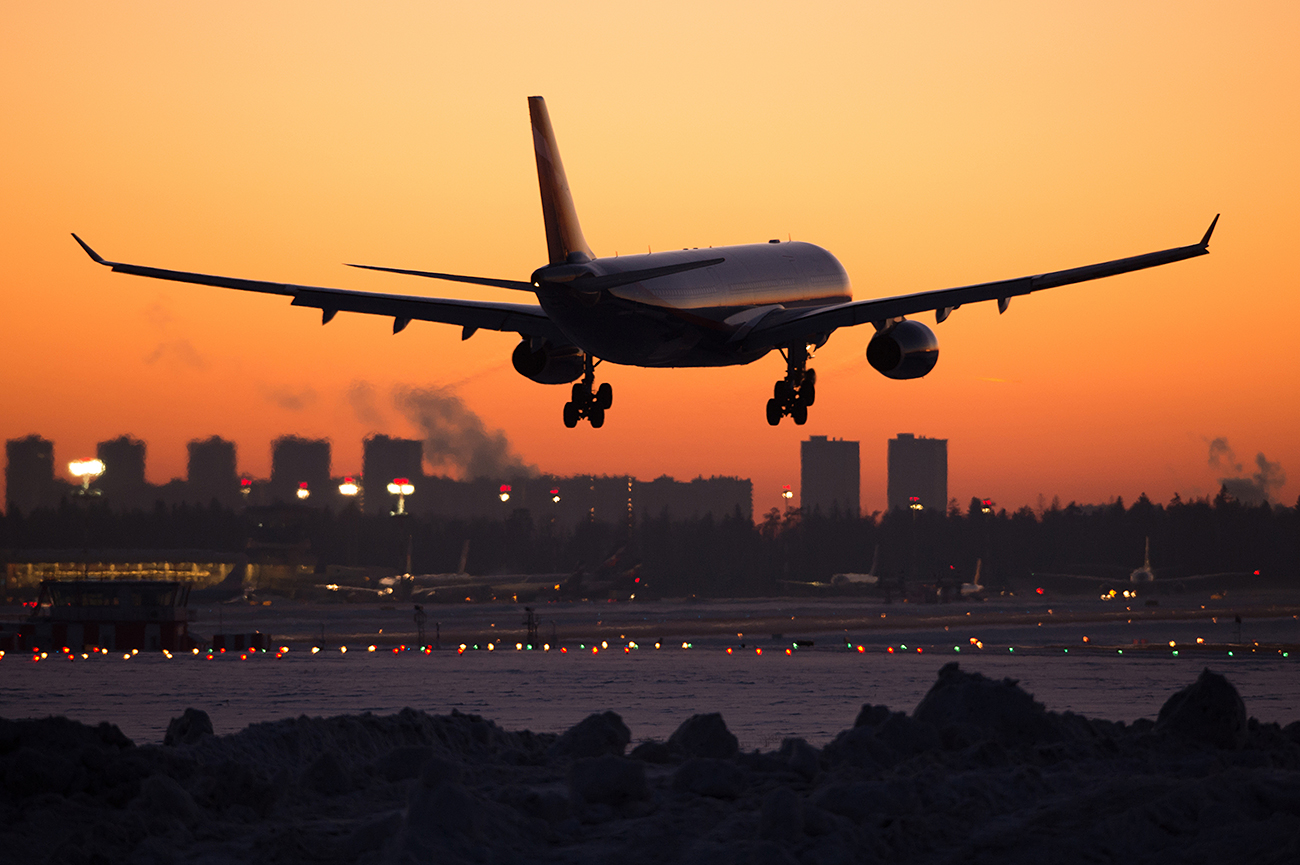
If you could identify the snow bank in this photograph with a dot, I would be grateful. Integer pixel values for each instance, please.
(978, 772)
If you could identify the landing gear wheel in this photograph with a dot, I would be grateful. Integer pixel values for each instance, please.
(808, 392)
(810, 379)
(782, 392)
(581, 393)
(605, 396)
(570, 415)
(774, 412)
(800, 414)
(596, 415)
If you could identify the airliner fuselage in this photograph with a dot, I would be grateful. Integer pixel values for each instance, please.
(699, 317)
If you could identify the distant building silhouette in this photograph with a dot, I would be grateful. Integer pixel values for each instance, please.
(830, 475)
(123, 481)
(296, 461)
(918, 468)
(384, 459)
(212, 472)
(716, 496)
(29, 474)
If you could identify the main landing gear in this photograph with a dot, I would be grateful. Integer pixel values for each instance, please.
(588, 401)
(793, 394)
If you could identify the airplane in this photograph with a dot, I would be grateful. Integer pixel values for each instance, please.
(1144, 575)
(695, 307)
(974, 589)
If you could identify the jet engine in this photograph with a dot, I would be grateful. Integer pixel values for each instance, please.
(909, 349)
(548, 365)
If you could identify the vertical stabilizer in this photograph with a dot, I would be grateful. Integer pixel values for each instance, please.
(564, 240)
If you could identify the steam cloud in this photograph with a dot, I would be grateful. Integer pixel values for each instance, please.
(455, 437)
(361, 396)
(1255, 488)
(287, 398)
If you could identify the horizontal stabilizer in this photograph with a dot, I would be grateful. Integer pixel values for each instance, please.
(582, 281)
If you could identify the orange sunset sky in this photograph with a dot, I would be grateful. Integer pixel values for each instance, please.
(925, 144)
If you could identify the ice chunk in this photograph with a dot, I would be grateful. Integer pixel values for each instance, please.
(705, 736)
(1208, 711)
(594, 735)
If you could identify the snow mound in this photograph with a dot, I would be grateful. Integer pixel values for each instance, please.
(980, 772)
(973, 707)
(1209, 711)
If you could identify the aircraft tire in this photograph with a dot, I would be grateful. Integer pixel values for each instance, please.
(807, 393)
(581, 393)
(570, 415)
(810, 379)
(596, 415)
(605, 395)
(800, 414)
(781, 392)
(773, 412)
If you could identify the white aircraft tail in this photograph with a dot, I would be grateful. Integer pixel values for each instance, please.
(564, 241)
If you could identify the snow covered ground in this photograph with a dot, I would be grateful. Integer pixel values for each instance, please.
(814, 693)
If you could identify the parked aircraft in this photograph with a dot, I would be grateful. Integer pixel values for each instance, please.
(693, 307)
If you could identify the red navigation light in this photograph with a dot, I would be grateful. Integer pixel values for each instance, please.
(1039, 590)
(1257, 573)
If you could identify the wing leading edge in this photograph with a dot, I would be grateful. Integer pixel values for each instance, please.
(789, 326)
(523, 318)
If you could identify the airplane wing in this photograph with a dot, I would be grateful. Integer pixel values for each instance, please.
(522, 318)
(789, 326)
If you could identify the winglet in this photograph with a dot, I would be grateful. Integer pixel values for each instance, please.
(94, 255)
(1205, 241)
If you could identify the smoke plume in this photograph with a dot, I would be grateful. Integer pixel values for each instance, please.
(455, 437)
(1250, 488)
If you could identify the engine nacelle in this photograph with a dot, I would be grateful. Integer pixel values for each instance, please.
(548, 365)
(909, 349)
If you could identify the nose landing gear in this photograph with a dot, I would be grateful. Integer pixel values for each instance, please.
(793, 394)
(588, 401)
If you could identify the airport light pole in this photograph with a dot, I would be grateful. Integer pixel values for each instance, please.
(87, 471)
(401, 487)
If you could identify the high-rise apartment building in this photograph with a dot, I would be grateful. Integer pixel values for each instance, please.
(296, 461)
(382, 460)
(830, 475)
(918, 469)
(123, 482)
(212, 472)
(29, 474)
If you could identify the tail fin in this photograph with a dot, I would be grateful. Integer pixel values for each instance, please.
(564, 240)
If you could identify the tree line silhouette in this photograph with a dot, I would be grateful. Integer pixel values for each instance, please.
(724, 557)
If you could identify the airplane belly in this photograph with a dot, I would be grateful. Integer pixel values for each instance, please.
(635, 335)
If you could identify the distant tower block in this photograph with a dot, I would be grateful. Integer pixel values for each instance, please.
(830, 476)
(383, 459)
(212, 472)
(296, 461)
(123, 481)
(29, 474)
(918, 468)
